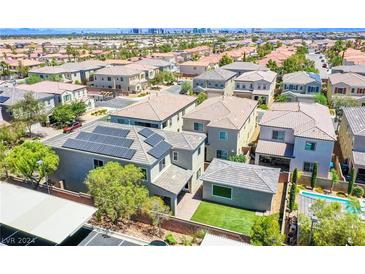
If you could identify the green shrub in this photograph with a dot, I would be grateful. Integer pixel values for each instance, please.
(341, 194)
(170, 239)
(263, 106)
(319, 190)
(185, 241)
(358, 191)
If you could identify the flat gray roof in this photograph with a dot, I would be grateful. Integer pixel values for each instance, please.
(41, 214)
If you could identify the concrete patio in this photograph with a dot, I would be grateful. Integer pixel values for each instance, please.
(189, 203)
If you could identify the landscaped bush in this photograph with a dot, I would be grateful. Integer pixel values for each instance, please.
(341, 194)
(358, 191)
(319, 190)
(263, 106)
(99, 112)
(185, 241)
(170, 239)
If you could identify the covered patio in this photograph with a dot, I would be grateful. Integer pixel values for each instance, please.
(274, 154)
(359, 166)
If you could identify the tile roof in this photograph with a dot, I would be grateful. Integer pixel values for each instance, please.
(353, 68)
(71, 67)
(301, 78)
(218, 74)
(351, 79)
(253, 76)
(359, 158)
(252, 177)
(156, 107)
(178, 140)
(51, 87)
(310, 120)
(246, 66)
(173, 179)
(154, 62)
(118, 70)
(10, 96)
(275, 148)
(356, 119)
(224, 111)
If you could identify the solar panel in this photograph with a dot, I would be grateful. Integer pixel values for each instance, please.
(159, 149)
(118, 132)
(120, 152)
(3, 99)
(104, 139)
(154, 139)
(146, 132)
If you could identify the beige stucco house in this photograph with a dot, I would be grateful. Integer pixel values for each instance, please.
(347, 84)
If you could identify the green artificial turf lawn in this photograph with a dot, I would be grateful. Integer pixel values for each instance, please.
(235, 219)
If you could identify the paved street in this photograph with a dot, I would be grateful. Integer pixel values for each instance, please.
(323, 72)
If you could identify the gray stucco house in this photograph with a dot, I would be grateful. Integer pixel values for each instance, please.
(296, 135)
(215, 82)
(300, 86)
(171, 161)
(243, 67)
(241, 185)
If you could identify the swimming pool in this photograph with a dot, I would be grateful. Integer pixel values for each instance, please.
(345, 202)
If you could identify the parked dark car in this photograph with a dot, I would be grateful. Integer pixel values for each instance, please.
(72, 127)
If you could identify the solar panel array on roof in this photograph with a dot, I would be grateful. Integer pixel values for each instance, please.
(118, 132)
(120, 152)
(160, 149)
(3, 99)
(146, 132)
(154, 139)
(104, 139)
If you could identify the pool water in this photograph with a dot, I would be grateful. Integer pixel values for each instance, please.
(345, 202)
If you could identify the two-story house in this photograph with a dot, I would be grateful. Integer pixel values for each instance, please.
(243, 67)
(300, 86)
(296, 135)
(79, 72)
(347, 84)
(359, 69)
(216, 82)
(351, 137)
(256, 85)
(162, 110)
(63, 93)
(172, 162)
(228, 121)
(9, 96)
(121, 78)
(161, 64)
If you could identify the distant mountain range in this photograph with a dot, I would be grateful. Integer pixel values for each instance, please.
(70, 31)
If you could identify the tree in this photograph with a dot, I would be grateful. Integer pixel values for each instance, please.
(339, 102)
(358, 191)
(22, 70)
(3, 165)
(165, 48)
(34, 78)
(29, 110)
(266, 231)
(272, 65)
(155, 208)
(351, 182)
(240, 158)
(12, 134)
(33, 161)
(117, 190)
(281, 98)
(293, 189)
(225, 60)
(186, 87)
(64, 114)
(78, 108)
(334, 226)
(320, 98)
(314, 175)
(202, 96)
(334, 178)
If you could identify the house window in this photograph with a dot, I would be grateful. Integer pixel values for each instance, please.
(109, 78)
(164, 124)
(67, 97)
(308, 167)
(223, 135)
(278, 135)
(98, 163)
(144, 172)
(222, 192)
(175, 155)
(221, 154)
(199, 150)
(198, 127)
(198, 173)
(310, 146)
(162, 164)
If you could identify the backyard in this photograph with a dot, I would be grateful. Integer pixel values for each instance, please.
(227, 217)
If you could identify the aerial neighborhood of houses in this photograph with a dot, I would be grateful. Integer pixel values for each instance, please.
(204, 137)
